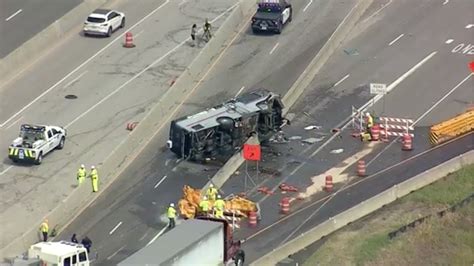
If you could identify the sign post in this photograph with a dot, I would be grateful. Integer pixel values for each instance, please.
(379, 89)
(251, 152)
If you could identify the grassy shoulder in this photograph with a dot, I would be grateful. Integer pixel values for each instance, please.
(438, 241)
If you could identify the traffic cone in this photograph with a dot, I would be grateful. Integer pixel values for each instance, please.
(361, 168)
(128, 40)
(329, 184)
(407, 142)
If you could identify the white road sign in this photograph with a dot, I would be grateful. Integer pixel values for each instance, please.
(377, 88)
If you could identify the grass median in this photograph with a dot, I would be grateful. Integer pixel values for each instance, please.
(447, 240)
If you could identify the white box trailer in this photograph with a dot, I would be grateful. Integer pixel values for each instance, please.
(201, 241)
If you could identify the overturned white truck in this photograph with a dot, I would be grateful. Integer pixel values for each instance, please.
(223, 129)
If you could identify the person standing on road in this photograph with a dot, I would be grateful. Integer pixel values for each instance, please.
(81, 174)
(207, 30)
(44, 228)
(95, 179)
(193, 35)
(171, 213)
(211, 192)
(87, 243)
(219, 206)
(204, 206)
(74, 239)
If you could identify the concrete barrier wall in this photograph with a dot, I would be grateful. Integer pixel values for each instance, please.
(36, 46)
(125, 153)
(366, 207)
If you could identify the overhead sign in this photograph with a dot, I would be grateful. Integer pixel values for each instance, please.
(252, 152)
(378, 88)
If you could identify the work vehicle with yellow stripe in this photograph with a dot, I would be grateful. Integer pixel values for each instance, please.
(35, 142)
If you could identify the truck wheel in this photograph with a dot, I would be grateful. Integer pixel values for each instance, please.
(40, 159)
(239, 258)
(61, 144)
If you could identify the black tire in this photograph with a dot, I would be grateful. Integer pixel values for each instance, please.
(39, 160)
(122, 24)
(61, 143)
(239, 258)
(291, 15)
(15, 160)
(109, 32)
(280, 26)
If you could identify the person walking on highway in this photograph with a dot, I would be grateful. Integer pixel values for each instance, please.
(369, 124)
(95, 179)
(87, 243)
(204, 206)
(171, 216)
(211, 192)
(44, 228)
(193, 35)
(74, 239)
(81, 174)
(219, 207)
(207, 31)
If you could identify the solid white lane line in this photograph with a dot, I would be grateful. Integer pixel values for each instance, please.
(14, 14)
(368, 104)
(157, 235)
(241, 89)
(422, 116)
(6, 170)
(161, 181)
(74, 80)
(378, 11)
(274, 48)
(141, 72)
(115, 228)
(115, 253)
(307, 5)
(138, 34)
(341, 80)
(143, 237)
(84, 63)
(16, 121)
(396, 39)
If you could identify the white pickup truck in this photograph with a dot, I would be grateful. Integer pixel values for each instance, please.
(35, 142)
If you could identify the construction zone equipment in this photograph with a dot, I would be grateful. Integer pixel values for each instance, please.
(361, 168)
(234, 205)
(449, 129)
(131, 126)
(375, 130)
(329, 185)
(396, 127)
(287, 188)
(128, 40)
(265, 190)
(407, 143)
(285, 205)
(252, 219)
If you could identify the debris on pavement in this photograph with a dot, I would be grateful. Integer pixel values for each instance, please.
(287, 188)
(312, 140)
(295, 138)
(336, 151)
(265, 190)
(312, 127)
(279, 137)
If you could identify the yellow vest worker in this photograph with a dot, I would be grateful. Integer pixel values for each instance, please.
(211, 192)
(220, 207)
(171, 215)
(95, 179)
(204, 205)
(81, 174)
(370, 120)
(44, 228)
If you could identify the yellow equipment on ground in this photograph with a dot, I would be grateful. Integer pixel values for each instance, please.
(189, 203)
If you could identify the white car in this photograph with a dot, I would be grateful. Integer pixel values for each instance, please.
(103, 22)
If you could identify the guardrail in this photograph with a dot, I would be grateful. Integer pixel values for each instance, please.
(452, 128)
(364, 208)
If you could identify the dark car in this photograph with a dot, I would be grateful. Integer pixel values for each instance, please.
(271, 15)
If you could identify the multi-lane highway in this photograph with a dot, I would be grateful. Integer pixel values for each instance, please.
(22, 19)
(112, 85)
(250, 61)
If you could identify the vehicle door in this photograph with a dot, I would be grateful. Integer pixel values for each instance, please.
(285, 14)
(114, 19)
(52, 139)
(66, 261)
(83, 259)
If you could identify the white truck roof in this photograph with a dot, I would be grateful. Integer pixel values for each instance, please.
(60, 249)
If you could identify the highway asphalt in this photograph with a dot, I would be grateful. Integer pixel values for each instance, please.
(135, 203)
(22, 19)
(113, 85)
(438, 88)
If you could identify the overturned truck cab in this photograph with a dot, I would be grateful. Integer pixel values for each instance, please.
(222, 130)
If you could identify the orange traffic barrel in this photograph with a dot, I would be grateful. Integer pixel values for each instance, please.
(375, 130)
(252, 219)
(407, 142)
(129, 40)
(361, 168)
(285, 205)
(329, 185)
